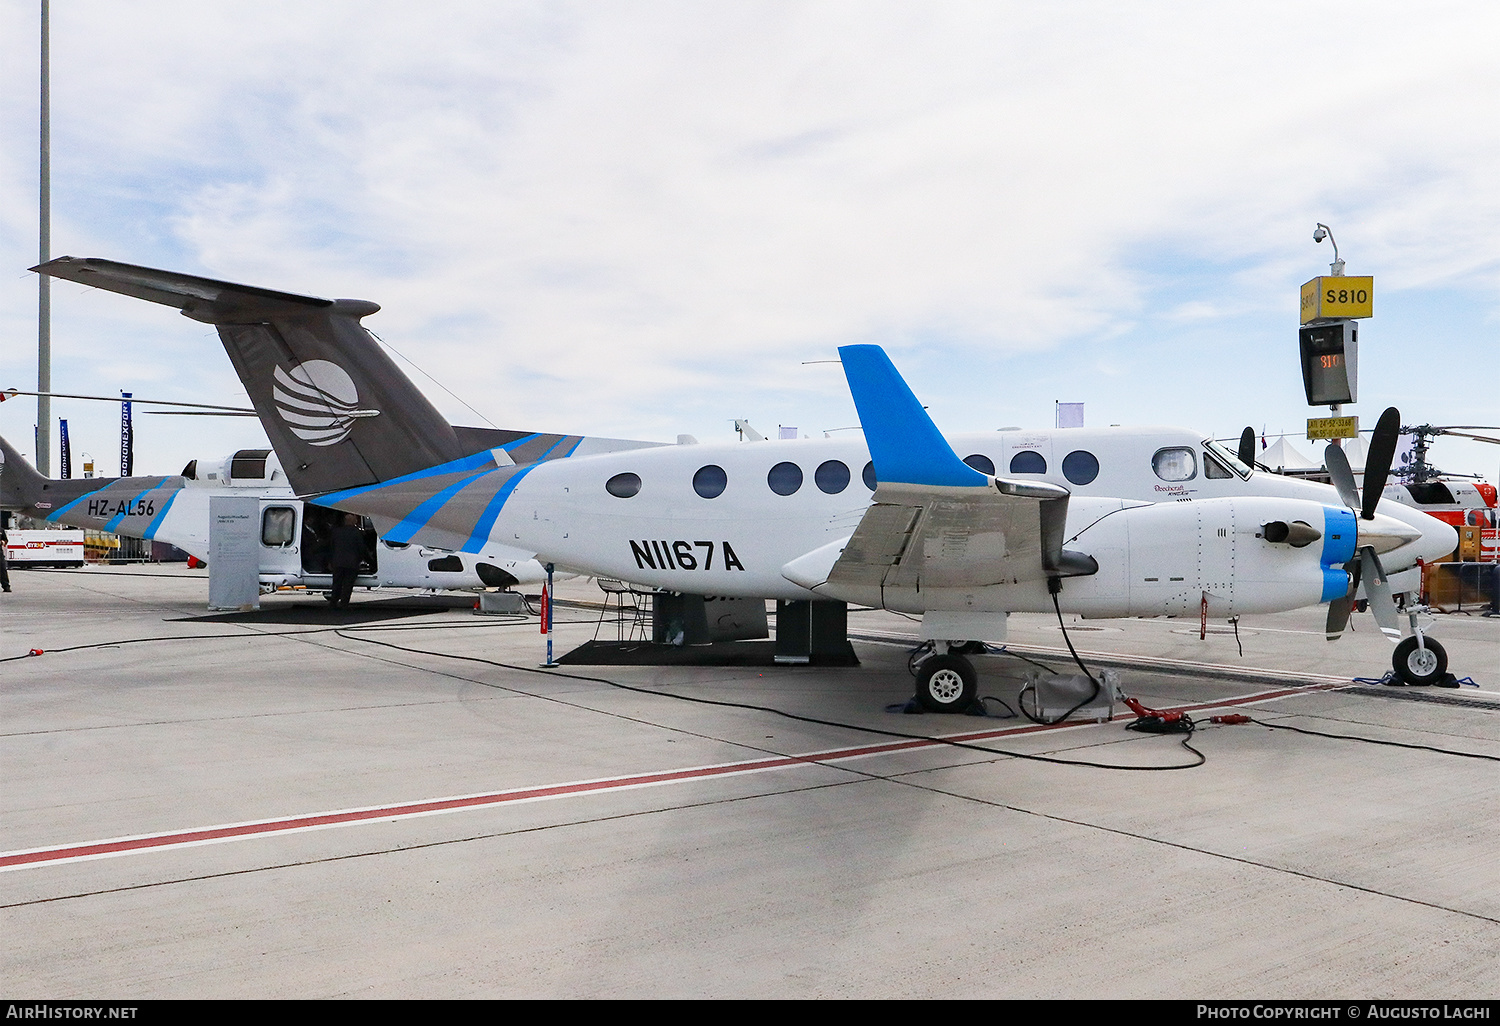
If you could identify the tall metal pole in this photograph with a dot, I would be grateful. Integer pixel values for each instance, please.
(44, 295)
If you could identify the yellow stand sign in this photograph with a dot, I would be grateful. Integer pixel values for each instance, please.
(1325, 428)
(1329, 298)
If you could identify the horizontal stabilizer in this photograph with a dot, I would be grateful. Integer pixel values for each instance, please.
(202, 299)
(339, 411)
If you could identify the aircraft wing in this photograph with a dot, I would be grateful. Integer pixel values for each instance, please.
(936, 522)
(911, 538)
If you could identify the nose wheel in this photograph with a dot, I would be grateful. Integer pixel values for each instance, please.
(946, 684)
(1420, 664)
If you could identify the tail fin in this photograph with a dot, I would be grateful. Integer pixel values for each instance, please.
(20, 482)
(337, 409)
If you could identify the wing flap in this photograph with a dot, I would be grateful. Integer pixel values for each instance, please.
(945, 541)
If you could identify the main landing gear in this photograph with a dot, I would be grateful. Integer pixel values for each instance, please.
(946, 681)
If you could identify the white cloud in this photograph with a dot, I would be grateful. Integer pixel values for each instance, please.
(640, 218)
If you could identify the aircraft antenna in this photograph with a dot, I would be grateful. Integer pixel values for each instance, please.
(434, 380)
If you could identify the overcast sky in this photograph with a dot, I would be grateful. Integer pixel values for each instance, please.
(640, 219)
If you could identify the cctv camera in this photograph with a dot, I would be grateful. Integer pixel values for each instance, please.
(1319, 235)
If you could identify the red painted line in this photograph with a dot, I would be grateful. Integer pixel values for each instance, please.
(261, 828)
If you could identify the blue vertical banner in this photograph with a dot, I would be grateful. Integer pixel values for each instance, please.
(127, 438)
(67, 452)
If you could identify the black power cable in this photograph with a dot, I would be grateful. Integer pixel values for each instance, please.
(774, 711)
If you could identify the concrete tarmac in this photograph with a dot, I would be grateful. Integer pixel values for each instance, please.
(398, 802)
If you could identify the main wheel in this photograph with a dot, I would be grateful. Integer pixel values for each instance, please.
(947, 684)
(1420, 665)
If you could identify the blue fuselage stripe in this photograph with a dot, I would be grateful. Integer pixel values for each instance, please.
(418, 518)
(478, 461)
(486, 521)
(482, 462)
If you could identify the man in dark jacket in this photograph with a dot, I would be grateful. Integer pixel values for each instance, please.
(346, 550)
(4, 539)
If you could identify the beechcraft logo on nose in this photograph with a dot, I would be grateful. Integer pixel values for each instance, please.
(318, 401)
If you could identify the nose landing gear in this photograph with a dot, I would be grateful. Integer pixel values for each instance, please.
(1420, 660)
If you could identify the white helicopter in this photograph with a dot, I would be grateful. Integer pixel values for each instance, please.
(1144, 522)
(294, 533)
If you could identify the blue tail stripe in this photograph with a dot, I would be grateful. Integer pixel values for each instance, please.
(156, 520)
(905, 444)
(59, 512)
(126, 510)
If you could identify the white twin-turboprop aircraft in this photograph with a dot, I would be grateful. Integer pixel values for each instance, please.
(1111, 523)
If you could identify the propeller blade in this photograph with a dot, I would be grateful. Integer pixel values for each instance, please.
(1247, 447)
(1343, 478)
(1338, 609)
(1338, 617)
(1378, 592)
(1378, 458)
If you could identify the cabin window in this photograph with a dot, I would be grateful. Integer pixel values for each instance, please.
(831, 477)
(1213, 469)
(394, 545)
(278, 526)
(1175, 464)
(446, 565)
(980, 462)
(1080, 466)
(785, 478)
(868, 476)
(710, 481)
(1028, 462)
(623, 486)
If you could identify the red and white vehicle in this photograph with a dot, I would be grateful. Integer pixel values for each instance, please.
(1460, 503)
(44, 548)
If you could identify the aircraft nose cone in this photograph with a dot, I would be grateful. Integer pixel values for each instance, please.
(1384, 533)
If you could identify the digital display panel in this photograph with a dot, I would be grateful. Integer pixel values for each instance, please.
(1328, 362)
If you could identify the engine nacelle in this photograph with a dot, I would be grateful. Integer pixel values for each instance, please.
(1180, 552)
(1161, 559)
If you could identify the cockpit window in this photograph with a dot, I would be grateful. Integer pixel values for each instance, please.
(1175, 464)
(1431, 493)
(1228, 458)
(1215, 470)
